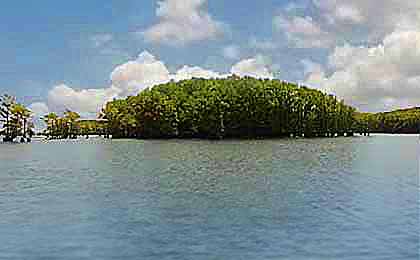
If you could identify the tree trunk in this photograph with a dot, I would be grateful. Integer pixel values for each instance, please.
(24, 128)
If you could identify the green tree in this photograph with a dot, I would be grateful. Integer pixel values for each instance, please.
(21, 117)
(6, 104)
(70, 118)
(52, 124)
(232, 107)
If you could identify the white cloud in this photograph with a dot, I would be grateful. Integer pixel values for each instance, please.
(88, 101)
(334, 22)
(127, 79)
(378, 18)
(39, 110)
(298, 25)
(255, 67)
(182, 22)
(373, 49)
(188, 72)
(134, 76)
(231, 52)
(303, 32)
(144, 72)
(348, 13)
(370, 76)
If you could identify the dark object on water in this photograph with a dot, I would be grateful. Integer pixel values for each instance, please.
(7, 139)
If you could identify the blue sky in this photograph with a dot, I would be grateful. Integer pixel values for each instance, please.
(365, 52)
(47, 42)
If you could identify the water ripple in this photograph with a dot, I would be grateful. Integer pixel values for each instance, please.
(341, 198)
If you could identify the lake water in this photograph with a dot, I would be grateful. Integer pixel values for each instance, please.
(343, 198)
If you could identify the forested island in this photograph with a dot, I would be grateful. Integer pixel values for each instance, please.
(214, 109)
(225, 108)
(402, 121)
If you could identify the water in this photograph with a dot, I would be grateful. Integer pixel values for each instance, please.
(344, 198)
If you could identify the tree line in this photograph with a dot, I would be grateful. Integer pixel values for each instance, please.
(402, 121)
(232, 107)
(15, 120)
(69, 126)
(216, 108)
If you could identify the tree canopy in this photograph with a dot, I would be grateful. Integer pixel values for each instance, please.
(232, 107)
(15, 120)
(71, 126)
(215, 108)
(402, 121)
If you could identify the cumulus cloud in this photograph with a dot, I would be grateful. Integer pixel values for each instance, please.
(298, 25)
(348, 13)
(379, 18)
(188, 72)
(303, 32)
(370, 53)
(334, 22)
(255, 67)
(370, 76)
(88, 101)
(144, 72)
(182, 22)
(127, 79)
(39, 110)
(134, 76)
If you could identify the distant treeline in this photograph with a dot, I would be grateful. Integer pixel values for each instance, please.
(233, 107)
(70, 126)
(404, 121)
(216, 108)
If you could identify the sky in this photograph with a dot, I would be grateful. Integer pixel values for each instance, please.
(79, 54)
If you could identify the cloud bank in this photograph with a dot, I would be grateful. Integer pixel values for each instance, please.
(134, 76)
(374, 49)
(366, 52)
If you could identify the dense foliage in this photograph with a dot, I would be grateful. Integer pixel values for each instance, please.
(215, 108)
(92, 127)
(404, 121)
(62, 127)
(15, 120)
(70, 126)
(230, 107)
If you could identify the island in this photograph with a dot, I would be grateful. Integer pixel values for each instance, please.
(233, 107)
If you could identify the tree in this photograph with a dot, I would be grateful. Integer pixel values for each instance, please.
(22, 115)
(71, 117)
(15, 118)
(63, 127)
(6, 104)
(232, 107)
(51, 122)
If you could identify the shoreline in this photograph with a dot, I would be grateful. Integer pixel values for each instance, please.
(389, 134)
(38, 139)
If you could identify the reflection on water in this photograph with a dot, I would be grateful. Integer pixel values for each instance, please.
(344, 198)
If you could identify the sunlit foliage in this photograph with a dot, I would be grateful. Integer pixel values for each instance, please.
(230, 107)
(15, 120)
(400, 121)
